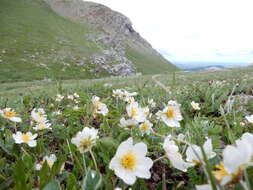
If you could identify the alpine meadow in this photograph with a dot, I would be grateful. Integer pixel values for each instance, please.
(86, 103)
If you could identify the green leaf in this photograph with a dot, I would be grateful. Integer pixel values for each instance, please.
(92, 180)
(53, 185)
(71, 183)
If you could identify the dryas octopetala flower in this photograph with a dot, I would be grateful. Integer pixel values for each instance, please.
(195, 105)
(39, 115)
(71, 97)
(85, 139)
(27, 138)
(59, 98)
(42, 126)
(146, 127)
(99, 107)
(194, 154)
(129, 99)
(204, 187)
(123, 94)
(10, 114)
(172, 152)
(50, 160)
(249, 118)
(135, 112)
(76, 95)
(130, 161)
(235, 160)
(171, 114)
(128, 124)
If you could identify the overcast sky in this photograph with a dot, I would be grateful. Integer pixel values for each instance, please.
(193, 30)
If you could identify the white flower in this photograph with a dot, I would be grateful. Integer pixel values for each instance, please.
(85, 139)
(50, 160)
(146, 127)
(123, 94)
(235, 160)
(195, 105)
(27, 138)
(135, 112)
(128, 124)
(59, 98)
(99, 107)
(130, 161)
(57, 112)
(171, 115)
(250, 118)
(194, 153)
(39, 115)
(204, 187)
(107, 85)
(42, 126)
(76, 95)
(71, 97)
(118, 93)
(130, 93)
(151, 103)
(75, 108)
(180, 137)
(172, 152)
(129, 99)
(10, 114)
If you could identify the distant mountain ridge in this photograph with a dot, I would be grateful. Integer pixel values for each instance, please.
(71, 39)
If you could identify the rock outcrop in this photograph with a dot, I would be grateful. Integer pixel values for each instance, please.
(115, 32)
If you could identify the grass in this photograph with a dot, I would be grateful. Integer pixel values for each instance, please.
(37, 44)
(211, 89)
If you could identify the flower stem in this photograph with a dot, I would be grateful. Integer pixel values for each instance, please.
(159, 158)
(94, 159)
(84, 163)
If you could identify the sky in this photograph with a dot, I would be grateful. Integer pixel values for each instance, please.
(218, 31)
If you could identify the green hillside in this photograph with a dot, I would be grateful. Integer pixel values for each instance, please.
(36, 43)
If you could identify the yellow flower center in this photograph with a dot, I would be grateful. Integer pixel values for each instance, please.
(128, 161)
(41, 126)
(86, 143)
(170, 113)
(144, 127)
(25, 138)
(10, 114)
(221, 172)
(134, 112)
(50, 163)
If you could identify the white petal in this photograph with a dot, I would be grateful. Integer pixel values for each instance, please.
(32, 143)
(140, 149)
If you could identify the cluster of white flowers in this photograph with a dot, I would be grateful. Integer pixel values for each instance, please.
(124, 95)
(99, 107)
(74, 97)
(40, 119)
(50, 160)
(59, 98)
(194, 155)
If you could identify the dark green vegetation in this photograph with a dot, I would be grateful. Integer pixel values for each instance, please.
(37, 44)
(212, 90)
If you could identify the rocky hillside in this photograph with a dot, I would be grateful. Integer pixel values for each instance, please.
(45, 39)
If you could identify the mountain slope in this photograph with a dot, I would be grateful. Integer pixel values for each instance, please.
(37, 43)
